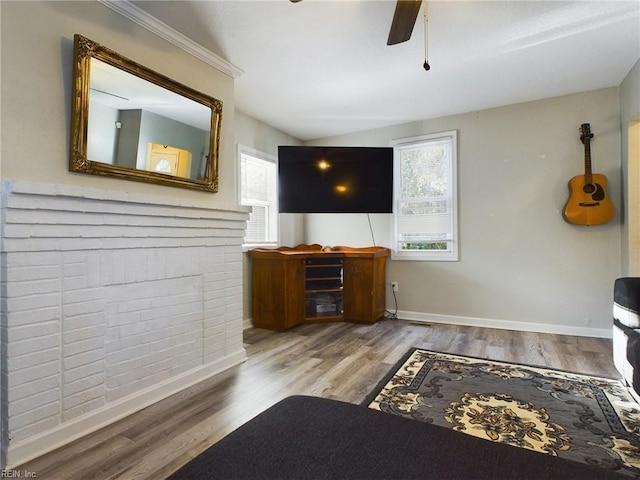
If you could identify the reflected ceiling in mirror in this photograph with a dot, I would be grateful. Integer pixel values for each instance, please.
(131, 122)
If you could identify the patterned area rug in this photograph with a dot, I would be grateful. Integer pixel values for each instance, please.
(589, 419)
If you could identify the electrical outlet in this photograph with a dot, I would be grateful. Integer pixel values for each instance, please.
(394, 286)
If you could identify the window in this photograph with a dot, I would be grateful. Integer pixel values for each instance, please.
(258, 189)
(425, 192)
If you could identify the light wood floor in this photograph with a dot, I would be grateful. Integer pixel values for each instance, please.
(341, 361)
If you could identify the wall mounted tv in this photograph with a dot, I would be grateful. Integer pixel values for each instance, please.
(335, 179)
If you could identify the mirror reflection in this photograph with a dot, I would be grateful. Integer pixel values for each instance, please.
(131, 122)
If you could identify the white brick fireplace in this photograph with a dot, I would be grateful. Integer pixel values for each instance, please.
(110, 302)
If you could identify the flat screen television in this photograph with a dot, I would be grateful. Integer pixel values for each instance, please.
(315, 179)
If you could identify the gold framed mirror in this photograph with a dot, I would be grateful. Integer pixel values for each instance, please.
(130, 122)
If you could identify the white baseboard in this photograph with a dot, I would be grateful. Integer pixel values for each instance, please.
(420, 317)
(67, 432)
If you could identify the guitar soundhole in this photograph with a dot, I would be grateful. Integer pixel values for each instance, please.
(589, 188)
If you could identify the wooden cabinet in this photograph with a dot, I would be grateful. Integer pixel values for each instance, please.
(309, 283)
(276, 292)
(364, 293)
(323, 288)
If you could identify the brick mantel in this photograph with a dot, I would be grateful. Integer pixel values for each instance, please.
(110, 302)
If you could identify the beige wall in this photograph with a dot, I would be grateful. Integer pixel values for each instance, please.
(37, 50)
(259, 136)
(631, 232)
(521, 265)
(630, 128)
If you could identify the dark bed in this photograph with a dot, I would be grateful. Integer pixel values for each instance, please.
(314, 438)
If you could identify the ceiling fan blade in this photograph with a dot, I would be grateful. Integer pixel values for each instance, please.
(404, 18)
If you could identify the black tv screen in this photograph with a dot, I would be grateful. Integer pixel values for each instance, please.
(335, 179)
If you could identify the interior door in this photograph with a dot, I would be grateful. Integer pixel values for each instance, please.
(169, 160)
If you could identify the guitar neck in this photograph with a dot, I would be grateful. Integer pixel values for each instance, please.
(587, 162)
(585, 130)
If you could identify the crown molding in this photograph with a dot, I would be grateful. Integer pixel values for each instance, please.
(142, 18)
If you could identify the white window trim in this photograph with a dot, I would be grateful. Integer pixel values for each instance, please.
(451, 255)
(268, 158)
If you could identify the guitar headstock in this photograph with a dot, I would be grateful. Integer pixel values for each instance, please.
(585, 133)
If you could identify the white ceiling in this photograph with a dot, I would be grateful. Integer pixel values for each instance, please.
(319, 68)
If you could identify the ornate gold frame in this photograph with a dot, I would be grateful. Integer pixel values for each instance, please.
(84, 50)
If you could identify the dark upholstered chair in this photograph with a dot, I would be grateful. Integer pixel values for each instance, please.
(626, 331)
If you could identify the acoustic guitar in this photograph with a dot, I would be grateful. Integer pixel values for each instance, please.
(589, 202)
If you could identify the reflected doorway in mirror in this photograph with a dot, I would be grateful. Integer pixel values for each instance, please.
(169, 160)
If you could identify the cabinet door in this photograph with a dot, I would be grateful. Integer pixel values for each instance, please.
(378, 279)
(358, 291)
(323, 283)
(277, 293)
(364, 292)
(294, 293)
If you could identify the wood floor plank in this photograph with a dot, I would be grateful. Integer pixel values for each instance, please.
(340, 360)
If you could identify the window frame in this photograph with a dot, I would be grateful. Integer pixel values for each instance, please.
(252, 152)
(449, 255)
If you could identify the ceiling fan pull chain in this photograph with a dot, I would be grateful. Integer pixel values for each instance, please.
(426, 65)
